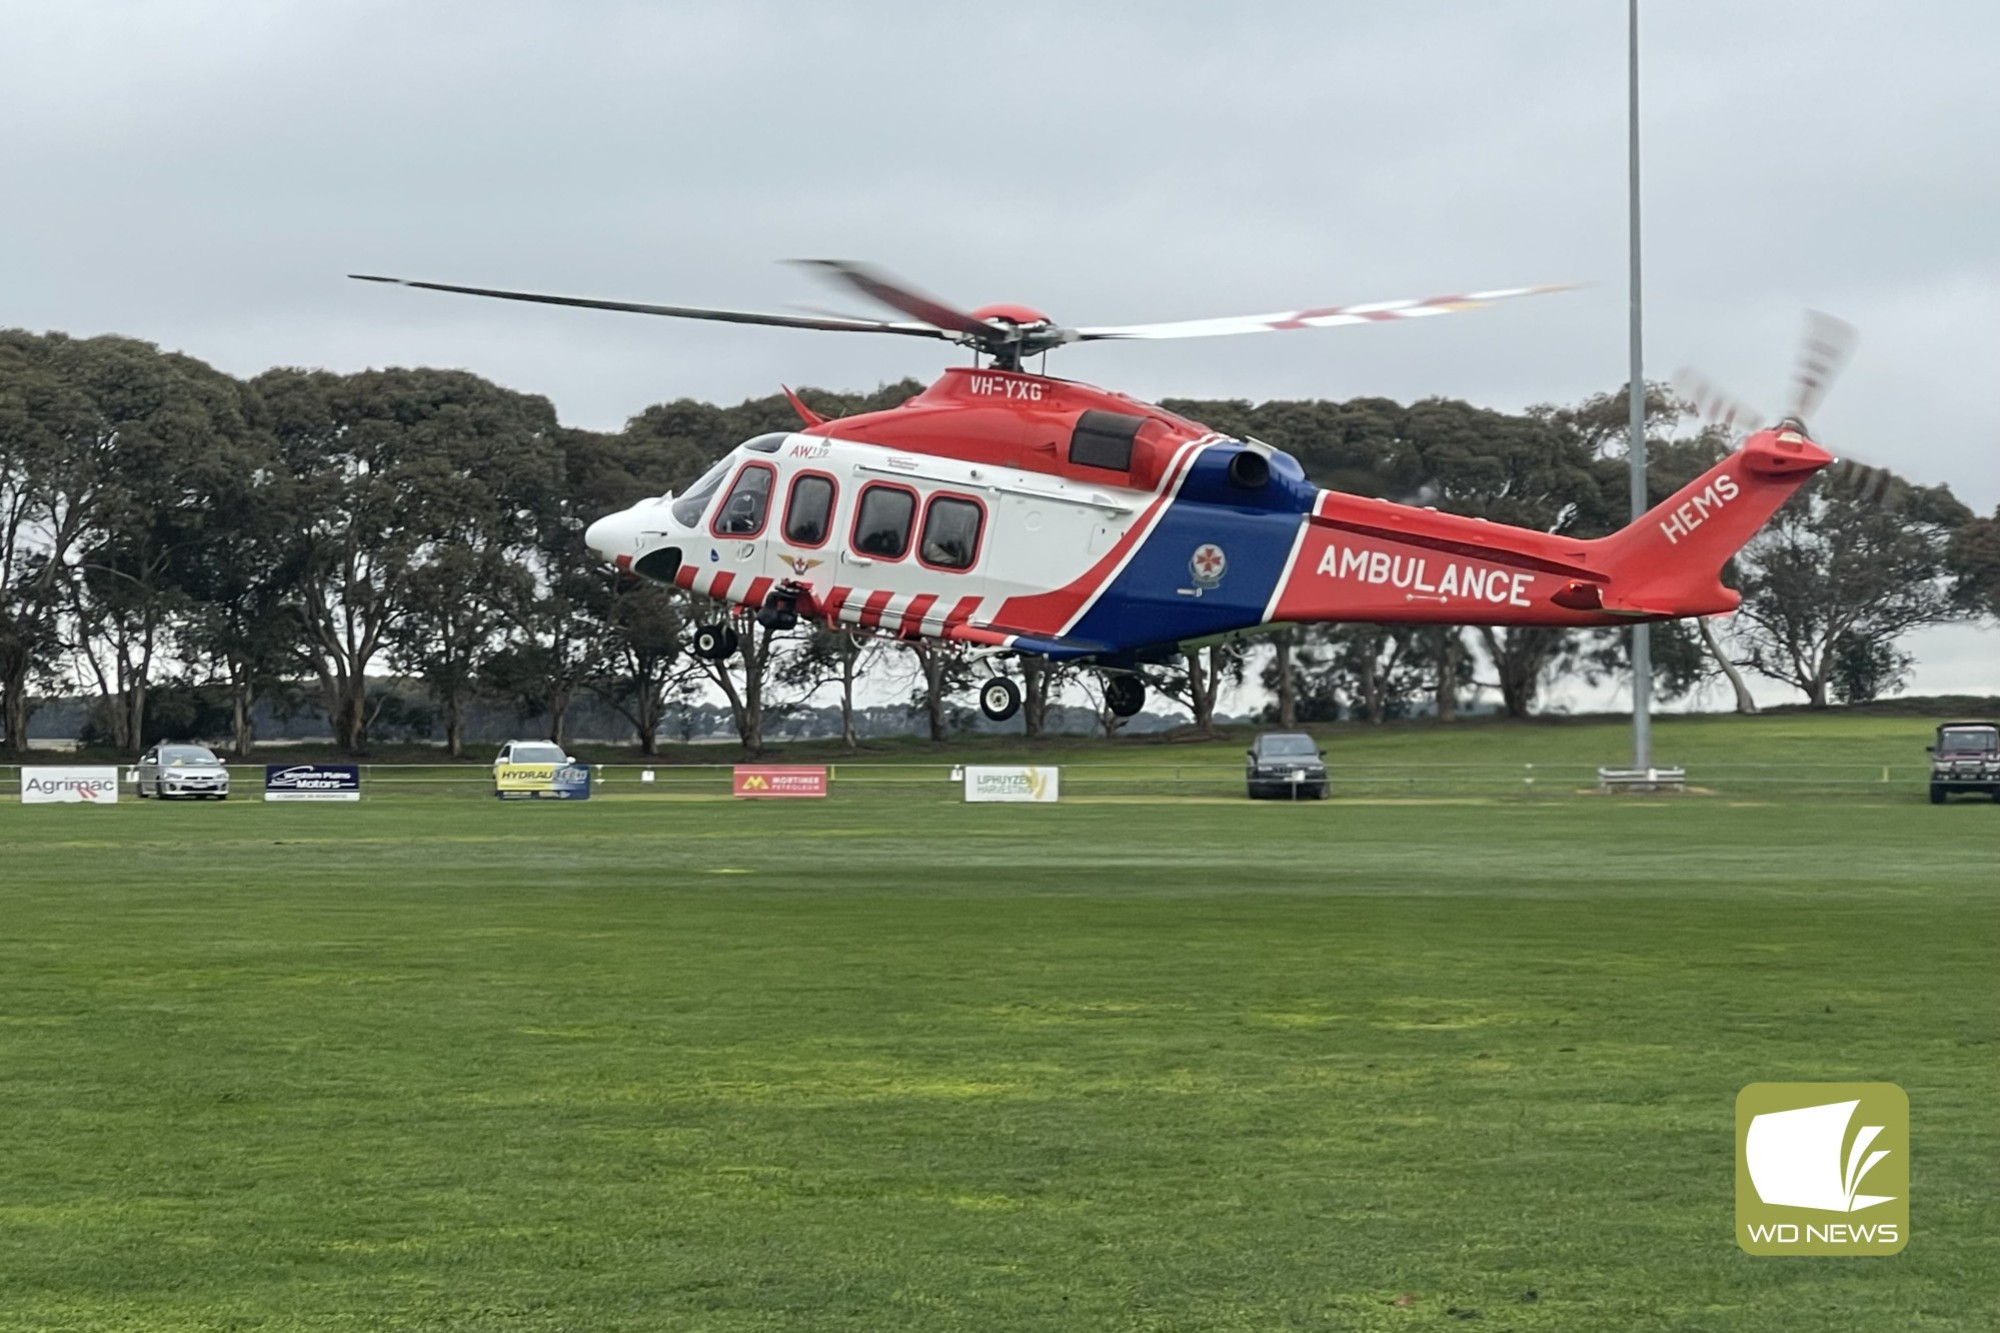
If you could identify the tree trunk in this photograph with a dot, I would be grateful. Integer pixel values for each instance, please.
(454, 724)
(1035, 680)
(1519, 664)
(560, 695)
(1450, 650)
(931, 659)
(353, 731)
(1745, 703)
(1288, 691)
(1371, 676)
(14, 693)
(849, 659)
(242, 704)
(746, 705)
(1198, 694)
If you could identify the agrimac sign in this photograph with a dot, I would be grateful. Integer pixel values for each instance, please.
(52, 785)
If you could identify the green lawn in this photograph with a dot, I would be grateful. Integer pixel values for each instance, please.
(886, 1062)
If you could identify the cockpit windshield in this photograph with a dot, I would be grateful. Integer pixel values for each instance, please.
(1968, 740)
(687, 509)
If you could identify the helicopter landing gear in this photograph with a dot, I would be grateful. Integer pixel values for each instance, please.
(714, 643)
(999, 699)
(1124, 695)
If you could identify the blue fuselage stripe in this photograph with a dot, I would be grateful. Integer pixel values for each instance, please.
(1159, 598)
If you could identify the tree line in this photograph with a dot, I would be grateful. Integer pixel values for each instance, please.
(304, 539)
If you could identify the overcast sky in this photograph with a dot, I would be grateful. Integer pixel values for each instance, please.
(201, 175)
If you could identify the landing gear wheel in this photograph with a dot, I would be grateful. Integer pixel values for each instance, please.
(1124, 695)
(999, 699)
(713, 643)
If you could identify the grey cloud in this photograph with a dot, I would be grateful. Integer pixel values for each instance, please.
(201, 175)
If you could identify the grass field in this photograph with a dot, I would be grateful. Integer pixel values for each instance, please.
(891, 1062)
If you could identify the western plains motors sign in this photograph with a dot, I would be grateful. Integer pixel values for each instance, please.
(984, 783)
(312, 782)
(50, 785)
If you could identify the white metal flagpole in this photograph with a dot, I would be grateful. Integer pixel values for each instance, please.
(1642, 635)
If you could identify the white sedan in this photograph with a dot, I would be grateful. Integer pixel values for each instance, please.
(181, 770)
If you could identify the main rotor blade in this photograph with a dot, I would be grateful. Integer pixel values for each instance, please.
(1823, 352)
(1323, 317)
(834, 324)
(893, 292)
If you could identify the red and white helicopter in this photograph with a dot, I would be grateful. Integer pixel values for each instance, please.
(1018, 513)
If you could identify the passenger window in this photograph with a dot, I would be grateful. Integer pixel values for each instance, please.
(809, 510)
(951, 533)
(882, 524)
(742, 514)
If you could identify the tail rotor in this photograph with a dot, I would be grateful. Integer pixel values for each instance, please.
(1824, 351)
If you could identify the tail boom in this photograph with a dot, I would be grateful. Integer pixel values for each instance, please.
(1368, 560)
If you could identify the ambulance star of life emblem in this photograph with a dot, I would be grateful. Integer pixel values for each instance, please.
(1208, 565)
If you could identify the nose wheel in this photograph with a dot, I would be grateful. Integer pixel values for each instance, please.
(1124, 695)
(713, 643)
(999, 699)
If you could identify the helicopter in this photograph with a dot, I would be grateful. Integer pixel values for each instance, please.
(1012, 512)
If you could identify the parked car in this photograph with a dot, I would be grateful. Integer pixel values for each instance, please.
(1286, 765)
(1965, 759)
(181, 770)
(531, 752)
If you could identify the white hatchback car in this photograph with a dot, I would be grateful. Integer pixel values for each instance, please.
(182, 770)
(531, 752)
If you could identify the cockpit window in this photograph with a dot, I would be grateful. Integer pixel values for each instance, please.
(687, 509)
(766, 444)
(742, 514)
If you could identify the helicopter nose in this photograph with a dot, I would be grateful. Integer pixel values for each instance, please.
(602, 537)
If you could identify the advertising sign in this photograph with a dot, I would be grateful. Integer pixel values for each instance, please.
(777, 780)
(541, 782)
(312, 782)
(1010, 784)
(48, 784)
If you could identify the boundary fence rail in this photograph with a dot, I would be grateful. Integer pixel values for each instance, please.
(918, 780)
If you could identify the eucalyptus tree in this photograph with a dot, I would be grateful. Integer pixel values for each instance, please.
(832, 656)
(391, 468)
(1834, 581)
(1196, 683)
(1974, 556)
(187, 453)
(643, 663)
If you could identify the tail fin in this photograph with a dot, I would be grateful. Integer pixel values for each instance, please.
(1669, 562)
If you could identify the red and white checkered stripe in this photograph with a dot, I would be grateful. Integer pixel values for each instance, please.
(904, 613)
